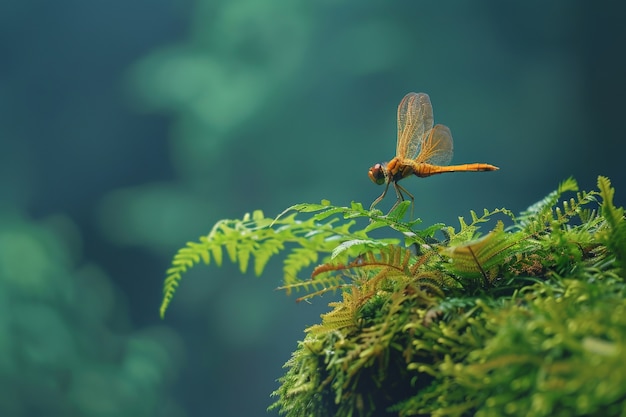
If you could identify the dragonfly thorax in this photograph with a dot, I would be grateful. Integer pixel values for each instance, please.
(396, 169)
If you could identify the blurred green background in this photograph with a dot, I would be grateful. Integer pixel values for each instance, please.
(129, 128)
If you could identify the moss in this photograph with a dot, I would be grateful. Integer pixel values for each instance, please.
(527, 319)
(533, 323)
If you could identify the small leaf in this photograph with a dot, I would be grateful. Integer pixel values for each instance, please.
(569, 184)
(357, 206)
(257, 215)
(216, 250)
(243, 254)
(231, 249)
(400, 210)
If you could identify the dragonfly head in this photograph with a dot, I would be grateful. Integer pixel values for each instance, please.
(377, 174)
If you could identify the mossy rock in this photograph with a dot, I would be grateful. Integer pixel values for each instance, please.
(526, 320)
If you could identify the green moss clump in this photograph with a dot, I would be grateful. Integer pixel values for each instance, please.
(530, 320)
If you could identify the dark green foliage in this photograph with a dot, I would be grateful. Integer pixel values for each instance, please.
(528, 319)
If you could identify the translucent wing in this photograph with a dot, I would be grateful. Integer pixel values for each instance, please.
(415, 118)
(437, 148)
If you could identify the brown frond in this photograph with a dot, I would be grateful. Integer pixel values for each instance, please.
(344, 313)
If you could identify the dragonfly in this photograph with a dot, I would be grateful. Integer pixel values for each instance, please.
(422, 150)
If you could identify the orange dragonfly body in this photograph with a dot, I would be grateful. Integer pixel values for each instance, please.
(422, 149)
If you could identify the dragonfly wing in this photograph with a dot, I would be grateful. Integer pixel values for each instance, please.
(437, 147)
(415, 118)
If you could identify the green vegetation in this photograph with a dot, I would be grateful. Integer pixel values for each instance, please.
(527, 319)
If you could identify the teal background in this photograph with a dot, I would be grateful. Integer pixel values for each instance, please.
(130, 128)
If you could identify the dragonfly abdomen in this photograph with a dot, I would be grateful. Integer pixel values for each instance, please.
(426, 170)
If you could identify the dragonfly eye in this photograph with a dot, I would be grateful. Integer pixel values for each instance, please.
(377, 174)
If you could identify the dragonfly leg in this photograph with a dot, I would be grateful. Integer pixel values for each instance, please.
(400, 197)
(378, 200)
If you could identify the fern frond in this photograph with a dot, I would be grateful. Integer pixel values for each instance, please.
(482, 255)
(376, 219)
(343, 315)
(469, 231)
(614, 216)
(537, 215)
(392, 267)
(254, 239)
(385, 256)
(298, 259)
(320, 285)
(184, 259)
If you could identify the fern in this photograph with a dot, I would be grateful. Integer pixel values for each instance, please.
(343, 316)
(259, 238)
(484, 256)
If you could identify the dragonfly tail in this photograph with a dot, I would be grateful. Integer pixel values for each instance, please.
(426, 170)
